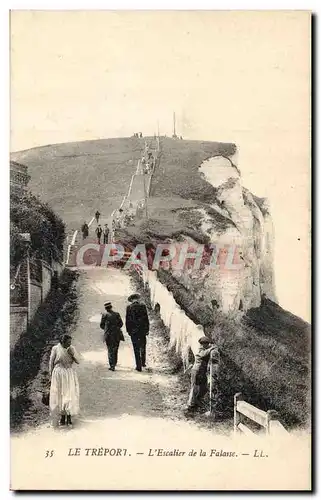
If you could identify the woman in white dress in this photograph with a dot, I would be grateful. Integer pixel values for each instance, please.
(64, 388)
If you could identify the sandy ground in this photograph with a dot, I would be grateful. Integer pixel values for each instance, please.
(137, 414)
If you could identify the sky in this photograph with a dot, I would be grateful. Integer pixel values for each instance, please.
(240, 77)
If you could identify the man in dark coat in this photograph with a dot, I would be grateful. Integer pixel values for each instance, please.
(137, 325)
(99, 232)
(111, 323)
(85, 230)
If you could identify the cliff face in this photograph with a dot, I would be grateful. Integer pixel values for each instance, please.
(247, 236)
(197, 196)
(264, 349)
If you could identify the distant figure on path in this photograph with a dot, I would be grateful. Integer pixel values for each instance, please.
(99, 232)
(215, 304)
(111, 323)
(137, 325)
(97, 215)
(119, 219)
(128, 219)
(64, 388)
(199, 373)
(106, 233)
(85, 230)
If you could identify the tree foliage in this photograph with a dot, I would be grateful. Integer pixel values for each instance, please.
(47, 231)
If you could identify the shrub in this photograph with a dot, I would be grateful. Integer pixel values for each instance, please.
(47, 231)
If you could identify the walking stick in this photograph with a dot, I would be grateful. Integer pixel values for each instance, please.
(213, 366)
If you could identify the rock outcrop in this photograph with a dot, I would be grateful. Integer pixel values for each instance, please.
(243, 238)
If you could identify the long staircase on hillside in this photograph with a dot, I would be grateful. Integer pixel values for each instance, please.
(133, 204)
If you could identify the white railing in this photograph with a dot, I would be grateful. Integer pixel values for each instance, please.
(268, 421)
(127, 197)
(73, 242)
(113, 216)
(184, 333)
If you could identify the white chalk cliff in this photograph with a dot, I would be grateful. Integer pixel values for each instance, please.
(247, 224)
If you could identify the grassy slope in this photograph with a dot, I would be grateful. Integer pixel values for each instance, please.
(177, 190)
(264, 355)
(77, 178)
(178, 174)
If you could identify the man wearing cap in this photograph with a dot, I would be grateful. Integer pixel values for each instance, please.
(137, 325)
(199, 373)
(111, 323)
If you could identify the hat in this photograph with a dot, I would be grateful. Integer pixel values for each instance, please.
(107, 304)
(205, 340)
(134, 296)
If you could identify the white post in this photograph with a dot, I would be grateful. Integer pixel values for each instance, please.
(270, 416)
(238, 397)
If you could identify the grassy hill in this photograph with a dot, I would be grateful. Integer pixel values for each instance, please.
(78, 178)
(178, 174)
(178, 192)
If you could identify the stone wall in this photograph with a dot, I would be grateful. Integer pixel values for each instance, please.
(35, 297)
(39, 291)
(18, 323)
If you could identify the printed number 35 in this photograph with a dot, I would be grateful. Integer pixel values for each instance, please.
(49, 453)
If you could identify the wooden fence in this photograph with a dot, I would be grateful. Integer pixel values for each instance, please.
(267, 421)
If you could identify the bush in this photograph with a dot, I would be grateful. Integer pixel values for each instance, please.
(47, 231)
(269, 369)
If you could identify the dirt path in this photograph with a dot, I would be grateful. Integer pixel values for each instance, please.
(105, 393)
(122, 409)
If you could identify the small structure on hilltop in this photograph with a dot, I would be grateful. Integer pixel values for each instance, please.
(174, 136)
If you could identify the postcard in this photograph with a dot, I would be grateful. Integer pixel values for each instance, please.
(160, 255)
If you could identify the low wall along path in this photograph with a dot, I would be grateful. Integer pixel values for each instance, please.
(184, 333)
